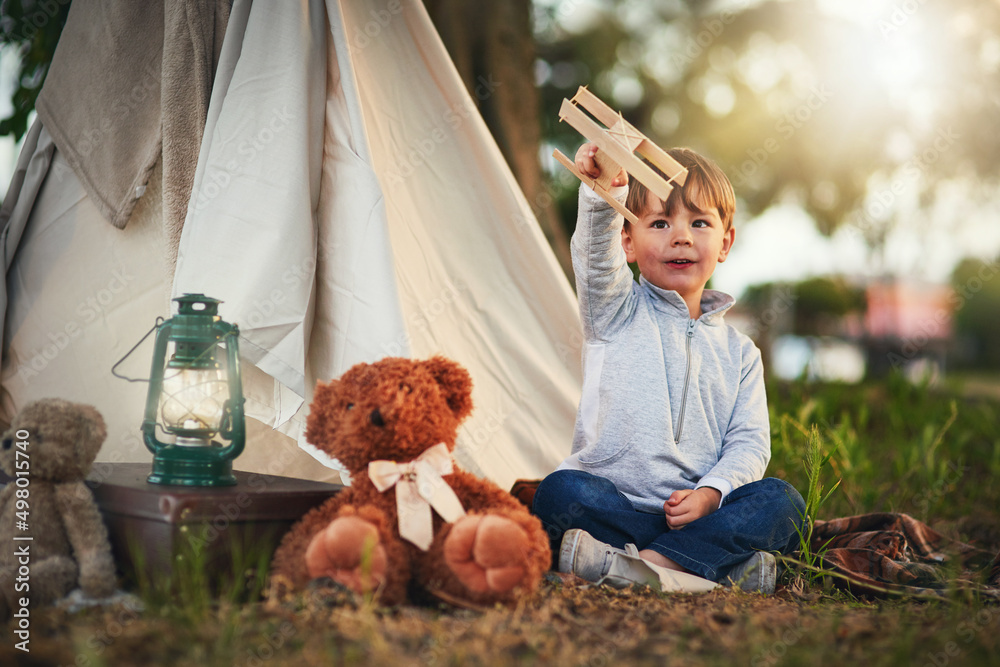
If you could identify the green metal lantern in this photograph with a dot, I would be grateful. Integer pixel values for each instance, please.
(197, 394)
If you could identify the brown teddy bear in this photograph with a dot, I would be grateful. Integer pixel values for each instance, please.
(51, 444)
(393, 424)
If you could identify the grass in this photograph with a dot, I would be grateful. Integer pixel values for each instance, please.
(896, 447)
(814, 461)
(893, 446)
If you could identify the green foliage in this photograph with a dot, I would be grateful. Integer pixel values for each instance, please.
(824, 296)
(33, 27)
(897, 446)
(886, 446)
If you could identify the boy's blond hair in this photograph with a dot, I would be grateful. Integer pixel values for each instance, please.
(706, 187)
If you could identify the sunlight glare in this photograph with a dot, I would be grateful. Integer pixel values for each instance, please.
(864, 12)
(899, 67)
(891, 54)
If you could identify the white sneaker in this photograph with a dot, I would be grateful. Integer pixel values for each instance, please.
(592, 560)
(601, 563)
(757, 574)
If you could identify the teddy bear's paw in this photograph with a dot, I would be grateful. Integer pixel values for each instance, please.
(348, 551)
(97, 586)
(97, 576)
(488, 554)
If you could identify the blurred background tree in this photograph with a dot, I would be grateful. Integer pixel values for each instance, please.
(493, 48)
(815, 306)
(29, 29)
(977, 315)
(821, 304)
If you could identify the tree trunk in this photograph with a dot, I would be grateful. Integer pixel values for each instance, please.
(492, 45)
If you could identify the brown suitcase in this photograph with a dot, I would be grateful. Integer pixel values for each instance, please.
(228, 529)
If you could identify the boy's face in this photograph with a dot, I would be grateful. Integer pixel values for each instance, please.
(677, 252)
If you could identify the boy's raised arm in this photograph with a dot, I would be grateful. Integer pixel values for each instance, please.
(603, 278)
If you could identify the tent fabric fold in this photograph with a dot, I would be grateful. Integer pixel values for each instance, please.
(252, 215)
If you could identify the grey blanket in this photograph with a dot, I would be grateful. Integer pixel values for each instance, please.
(128, 81)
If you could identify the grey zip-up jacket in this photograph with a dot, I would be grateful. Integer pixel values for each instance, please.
(668, 402)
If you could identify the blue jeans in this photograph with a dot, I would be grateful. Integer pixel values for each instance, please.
(760, 516)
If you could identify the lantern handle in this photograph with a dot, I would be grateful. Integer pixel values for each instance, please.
(233, 425)
(159, 321)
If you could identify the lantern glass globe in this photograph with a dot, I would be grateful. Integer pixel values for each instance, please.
(192, 399)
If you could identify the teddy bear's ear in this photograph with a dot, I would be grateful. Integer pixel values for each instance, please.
(93, 432)
(323, 395)
(455, 383)
(323, 389)
(94, 423)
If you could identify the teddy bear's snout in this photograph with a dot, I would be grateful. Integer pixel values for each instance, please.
(8, 443)
(376, 418)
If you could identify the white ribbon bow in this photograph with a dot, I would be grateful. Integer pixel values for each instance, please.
(419, 487)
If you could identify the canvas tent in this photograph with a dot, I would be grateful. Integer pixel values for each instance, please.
(348, 203)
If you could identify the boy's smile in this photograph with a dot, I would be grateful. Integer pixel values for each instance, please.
(680, 251)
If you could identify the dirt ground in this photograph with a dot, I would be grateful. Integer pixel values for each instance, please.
(568, 622)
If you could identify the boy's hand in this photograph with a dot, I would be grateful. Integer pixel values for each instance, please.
(586, 162)
(686, 505)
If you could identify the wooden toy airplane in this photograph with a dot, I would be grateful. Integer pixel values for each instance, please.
(616, 143)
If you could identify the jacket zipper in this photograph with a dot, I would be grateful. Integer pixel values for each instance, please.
(687, 379)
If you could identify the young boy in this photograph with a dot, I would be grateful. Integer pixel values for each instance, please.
(672, 435)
